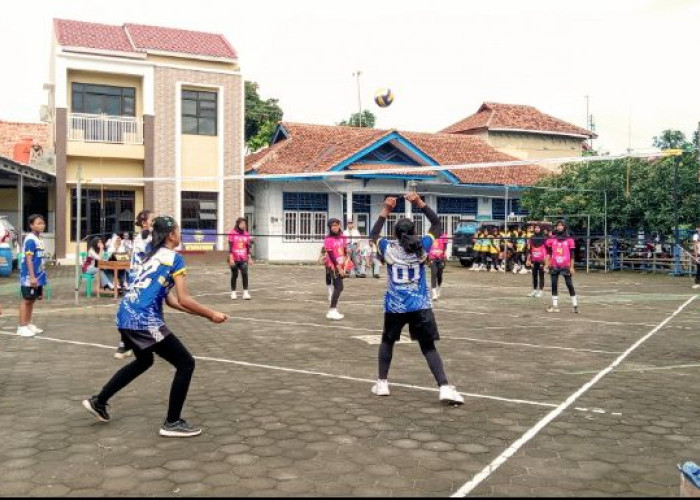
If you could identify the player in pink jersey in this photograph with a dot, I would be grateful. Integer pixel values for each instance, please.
(239, 258)
(437, 258)
(560, 260)
(536, 254)
(338, 264)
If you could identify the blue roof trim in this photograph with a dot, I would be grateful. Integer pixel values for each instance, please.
(279, 131)
(393, 176)
(352, 159)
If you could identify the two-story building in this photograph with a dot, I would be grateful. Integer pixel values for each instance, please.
(523, 132)
(139, 111)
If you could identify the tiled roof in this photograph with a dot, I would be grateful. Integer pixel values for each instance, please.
(92, 35)
(496, 116)
(317, 148)
(137, 38)
(148, 38)
(12, 132)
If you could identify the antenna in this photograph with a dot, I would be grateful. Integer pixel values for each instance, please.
(359, 100)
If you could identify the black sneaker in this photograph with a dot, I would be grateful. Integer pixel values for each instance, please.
(179, 429)
(99, 410)
(122, 352)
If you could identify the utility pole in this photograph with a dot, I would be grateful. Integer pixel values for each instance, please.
(357, 74)
(588, 119)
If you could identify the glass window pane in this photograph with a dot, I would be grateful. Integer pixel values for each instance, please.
(189, 107)
(129, 92)
(128, 106)
(77, 103)
(207, 105)
(112, 105)
(207, 126)
(207, 96)
(207, 113)
(78, 87)
(189, 125)
(92, 104)
(188, 94)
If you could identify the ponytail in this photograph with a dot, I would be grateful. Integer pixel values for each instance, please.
(405, 231)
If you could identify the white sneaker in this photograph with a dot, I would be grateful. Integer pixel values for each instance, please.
(233, 295)
(524, 271)
(449, 394)
(35, 329)
(381, 388)
(539, 294)
(552, 309)
(515, 270)
(433, 294)
(696, 286)
(439, 292)
(25, 331)
(333, 314)
(246, 295)
(533, 293)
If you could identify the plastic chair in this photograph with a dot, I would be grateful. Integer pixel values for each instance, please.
(89, 278)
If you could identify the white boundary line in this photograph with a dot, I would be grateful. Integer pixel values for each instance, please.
(651, 368)
(303, 372)
(523, 344)
(467, 487)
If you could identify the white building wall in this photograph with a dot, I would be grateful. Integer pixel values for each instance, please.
(269, 214)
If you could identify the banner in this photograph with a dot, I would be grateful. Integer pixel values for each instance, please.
(199, 239)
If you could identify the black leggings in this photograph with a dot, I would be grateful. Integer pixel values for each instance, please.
(568, 279)
(333, 278)
(427, 347)
(243, 266)
(171, 350)
(697, 273)
(538, 275)
(437, 267)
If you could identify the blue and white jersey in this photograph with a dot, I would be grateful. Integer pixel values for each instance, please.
(142, 305)
(34, 248)
(407, 286)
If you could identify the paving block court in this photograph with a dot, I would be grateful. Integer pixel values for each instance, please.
(283, 395)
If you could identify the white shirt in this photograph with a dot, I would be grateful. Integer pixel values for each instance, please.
(4, 237)
(354, 236)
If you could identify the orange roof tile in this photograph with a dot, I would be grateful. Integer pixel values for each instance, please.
(317, 148)
(137, 38)
(496, 116)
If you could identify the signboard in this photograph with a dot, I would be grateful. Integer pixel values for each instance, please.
(199, 239)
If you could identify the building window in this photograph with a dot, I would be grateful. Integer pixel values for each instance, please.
(305, 216)
(199, 112)
(498, 205)
(418, 222)
(102, 212)
(199, 210)
(103, 100)
(390, 224)
(460, 206)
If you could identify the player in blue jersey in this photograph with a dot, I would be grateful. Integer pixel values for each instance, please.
(407, 299)
(140, 246)
(32, 276)
(142, 327)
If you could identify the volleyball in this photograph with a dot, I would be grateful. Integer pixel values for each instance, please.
(383, 97)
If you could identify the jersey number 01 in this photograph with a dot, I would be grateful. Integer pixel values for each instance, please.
(402, 274)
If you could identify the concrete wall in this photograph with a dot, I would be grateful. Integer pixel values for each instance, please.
(535, 146)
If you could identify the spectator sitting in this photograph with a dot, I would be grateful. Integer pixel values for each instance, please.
(94, 255)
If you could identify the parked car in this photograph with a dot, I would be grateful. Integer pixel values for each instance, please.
(14, 239)
(463, 241)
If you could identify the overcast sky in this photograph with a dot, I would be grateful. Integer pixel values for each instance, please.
(637, 59)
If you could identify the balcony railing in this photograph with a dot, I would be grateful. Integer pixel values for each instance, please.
(104, 128)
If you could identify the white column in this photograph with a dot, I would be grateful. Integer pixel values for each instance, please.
(348, 205)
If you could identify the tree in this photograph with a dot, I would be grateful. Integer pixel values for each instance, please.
(367, 120)
(261, 117)
(672, 139)
(640, 191)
